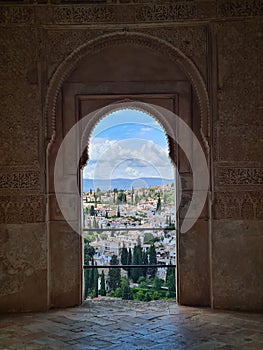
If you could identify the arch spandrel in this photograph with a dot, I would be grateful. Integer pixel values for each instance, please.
(133, 39)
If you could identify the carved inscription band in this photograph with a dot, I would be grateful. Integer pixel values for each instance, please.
(23, 180)
(240, 176)
(128, 13)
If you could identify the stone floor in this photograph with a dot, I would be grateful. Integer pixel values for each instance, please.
(115, 325)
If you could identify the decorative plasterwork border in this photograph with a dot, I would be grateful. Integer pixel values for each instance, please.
(22, 180)
(134, 39)
(240, 8)
(128, 13)
(239, 176)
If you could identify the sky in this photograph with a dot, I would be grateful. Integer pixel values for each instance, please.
(128, 144)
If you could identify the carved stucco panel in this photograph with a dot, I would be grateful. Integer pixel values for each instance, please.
(239, 176)
(239, 205)
(239, 8)
(60, 43)
(17, 209)
(239, 126)
(20, 98)
(20, 180)
(23, 259)
(192, 41)
(20, 118)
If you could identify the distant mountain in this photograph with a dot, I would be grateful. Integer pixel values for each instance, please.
(124, 184)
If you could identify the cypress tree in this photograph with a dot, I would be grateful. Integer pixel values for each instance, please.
(145, 261)
(170, 279)
(152, 261)
(129, 262)
(102, 285)
(91, 276)
(124, 257)
(159, 205)
(114, 274)
(137, 260)
(127, 293)
(92, 210)
(96, 287)
(86, 283)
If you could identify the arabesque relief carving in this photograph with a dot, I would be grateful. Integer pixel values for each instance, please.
(192, 41)
(239, 205)
(239, 8)
(240, 119)
(128, 12)
(22, 180)
(239, 176)
(20, 97)
(17, 209)
(17, 15)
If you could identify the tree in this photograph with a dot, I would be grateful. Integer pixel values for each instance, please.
(159, 205)
(157, 283)
(136, 272)
(89, 252)
(118, 212)
(96, 282)
(124, 257)
(91, 276)
(132, 195)
(152, 261)
(115, 191)
(127, 293)
(129, 262)
(121, 198)
(145, 261)
(92, 210)
(114, 274)
(86, 283)
(102, 285)
(170, 279)
(148, 237)
(126, 290)
(169, 228)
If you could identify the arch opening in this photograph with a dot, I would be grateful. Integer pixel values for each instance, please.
(129, 214)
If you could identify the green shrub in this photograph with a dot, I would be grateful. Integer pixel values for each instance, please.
(139, 295)
(118, 292)
(147, 297)
(127, 293)
(155, 295)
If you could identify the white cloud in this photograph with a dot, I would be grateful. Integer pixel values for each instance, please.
(129, 158)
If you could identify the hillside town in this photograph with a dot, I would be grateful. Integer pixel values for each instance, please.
(117, 219)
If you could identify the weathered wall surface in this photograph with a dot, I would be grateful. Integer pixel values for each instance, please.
(23, 248)
(223, 39)
(238, 198)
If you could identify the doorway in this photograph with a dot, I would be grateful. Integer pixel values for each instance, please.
(138, 69)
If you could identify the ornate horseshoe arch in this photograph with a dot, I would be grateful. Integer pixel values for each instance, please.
(65, 69)
(134, 39)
